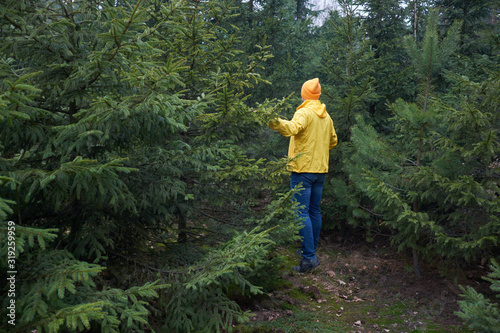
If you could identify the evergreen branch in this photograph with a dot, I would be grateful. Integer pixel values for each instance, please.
(25, 236)
(170, 68)
(17, 26)
(142, 264)
(117, 49)
(74, 317)
(371, 211)
(478, 312)
(219, 20)
(218, 219)
(448, 44)
(125, 29)
(44, 45)
(235, 255)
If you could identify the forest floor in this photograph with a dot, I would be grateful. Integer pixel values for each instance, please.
(361, 287)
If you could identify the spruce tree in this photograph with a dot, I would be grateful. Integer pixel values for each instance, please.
(348, 88)
(480, 313)
(347, 63)
(412, 124)
(111, 150)
(385, 26)
(475, 15)
(290, 36)
(432, 177)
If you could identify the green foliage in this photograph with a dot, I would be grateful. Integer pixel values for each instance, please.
(476, 16)
(121, 130)
(385, 28)
(200, 302)
(348, 66)
(5, 208)
(432, 178)
(134, 148)
(480, 313)
(429, 59)
(54, 290)
(287, 28)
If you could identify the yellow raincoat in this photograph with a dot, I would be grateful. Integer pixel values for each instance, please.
(311, 134)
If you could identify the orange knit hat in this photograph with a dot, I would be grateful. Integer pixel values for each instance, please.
(311, 89)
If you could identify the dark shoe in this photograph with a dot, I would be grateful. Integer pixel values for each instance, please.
(306, 265)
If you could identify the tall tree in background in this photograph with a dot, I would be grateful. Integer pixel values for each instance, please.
(384, 24)
(347, 69)
(476, 53)
(418, 11)
(385, 28)
(347, 64)
(291, 41)
(475, 15)
(302, 11)
(287, 28)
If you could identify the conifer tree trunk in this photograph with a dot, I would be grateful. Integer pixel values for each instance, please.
(182, 236)
(425, 66)
(419, 162)
(420, 142)
(300, 9)
(415, 19)
(250, 12)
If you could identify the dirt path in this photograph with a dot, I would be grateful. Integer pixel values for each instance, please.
(358, 288)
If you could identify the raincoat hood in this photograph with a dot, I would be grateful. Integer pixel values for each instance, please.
(316, 106)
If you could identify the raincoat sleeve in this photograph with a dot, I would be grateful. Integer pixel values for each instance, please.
(333, 138)
(292, 127)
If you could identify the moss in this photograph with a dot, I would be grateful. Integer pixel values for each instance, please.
(297, 294)
(304, 322)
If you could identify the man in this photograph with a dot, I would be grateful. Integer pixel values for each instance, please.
(312, 135)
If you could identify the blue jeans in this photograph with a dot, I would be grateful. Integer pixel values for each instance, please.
(309, 197)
